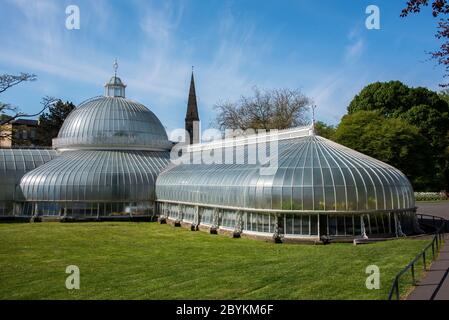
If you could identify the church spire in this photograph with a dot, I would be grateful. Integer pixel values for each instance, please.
(192, 107)
(192, 118)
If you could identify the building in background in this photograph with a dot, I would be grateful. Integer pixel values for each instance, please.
(19, 133)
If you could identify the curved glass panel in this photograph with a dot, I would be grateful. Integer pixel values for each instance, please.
(96, 176)
(312, 174)
(14, 163)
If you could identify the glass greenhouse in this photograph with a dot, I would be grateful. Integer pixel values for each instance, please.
(318, 188)
(112, 160)
(112, 151)
(14, 163)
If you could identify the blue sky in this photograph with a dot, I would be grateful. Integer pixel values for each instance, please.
(320, 47)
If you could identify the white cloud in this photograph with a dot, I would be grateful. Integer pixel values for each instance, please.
(160, 75)
(354, 50)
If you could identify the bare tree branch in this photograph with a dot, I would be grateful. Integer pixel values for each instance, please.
(266, 109)
(46, 102)
(7, 80)
(440, 9)
(7, 107)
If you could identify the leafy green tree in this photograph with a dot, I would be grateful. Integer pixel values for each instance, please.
(433, 124)
(391, 140)
(324, 130)
(420, 107)
(393, 98)
(384, 97)
(50, 122)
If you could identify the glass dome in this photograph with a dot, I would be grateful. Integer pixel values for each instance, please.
(112, 122)
(112, 151)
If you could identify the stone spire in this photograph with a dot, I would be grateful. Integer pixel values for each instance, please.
(192, 119)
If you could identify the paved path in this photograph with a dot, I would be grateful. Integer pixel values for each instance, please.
(435, 285)
(440, 209)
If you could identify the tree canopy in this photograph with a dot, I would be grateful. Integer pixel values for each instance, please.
(51, 121)
(265, 109)
(385, 107)
(391, 140)
(324, 130)
(394, 98)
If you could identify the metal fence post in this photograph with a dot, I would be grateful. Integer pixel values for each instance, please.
(397, 289)
(424, 260)
(438, 240)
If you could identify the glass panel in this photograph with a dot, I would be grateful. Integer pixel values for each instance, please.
(340, 225)
(308, 198)
(305, 224)
(289, 226)
(314, 224)
(332, 220)
(297, 224)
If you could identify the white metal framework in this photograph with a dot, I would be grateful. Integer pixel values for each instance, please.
(317, 187)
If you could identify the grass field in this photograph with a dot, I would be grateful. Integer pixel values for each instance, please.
(150, 261)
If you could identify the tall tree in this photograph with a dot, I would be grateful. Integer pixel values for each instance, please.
(391, 140)
(428, 111)
(393, 98)
(266, 109)
(440, 8)
(51, 121)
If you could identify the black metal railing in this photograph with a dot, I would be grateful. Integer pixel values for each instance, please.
(439, 224)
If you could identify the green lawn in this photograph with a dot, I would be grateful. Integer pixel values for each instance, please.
(121, 260)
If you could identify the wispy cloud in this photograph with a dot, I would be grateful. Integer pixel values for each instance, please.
(354, 50)
(356, 46)
(232, 46)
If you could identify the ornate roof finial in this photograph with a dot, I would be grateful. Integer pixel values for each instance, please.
(115, 66)
(115, 86)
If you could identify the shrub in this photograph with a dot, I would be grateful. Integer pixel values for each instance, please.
(430, 196)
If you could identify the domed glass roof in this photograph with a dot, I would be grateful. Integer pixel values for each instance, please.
(312, 174)
(112, 123)
(14, 163)
(93, 176)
